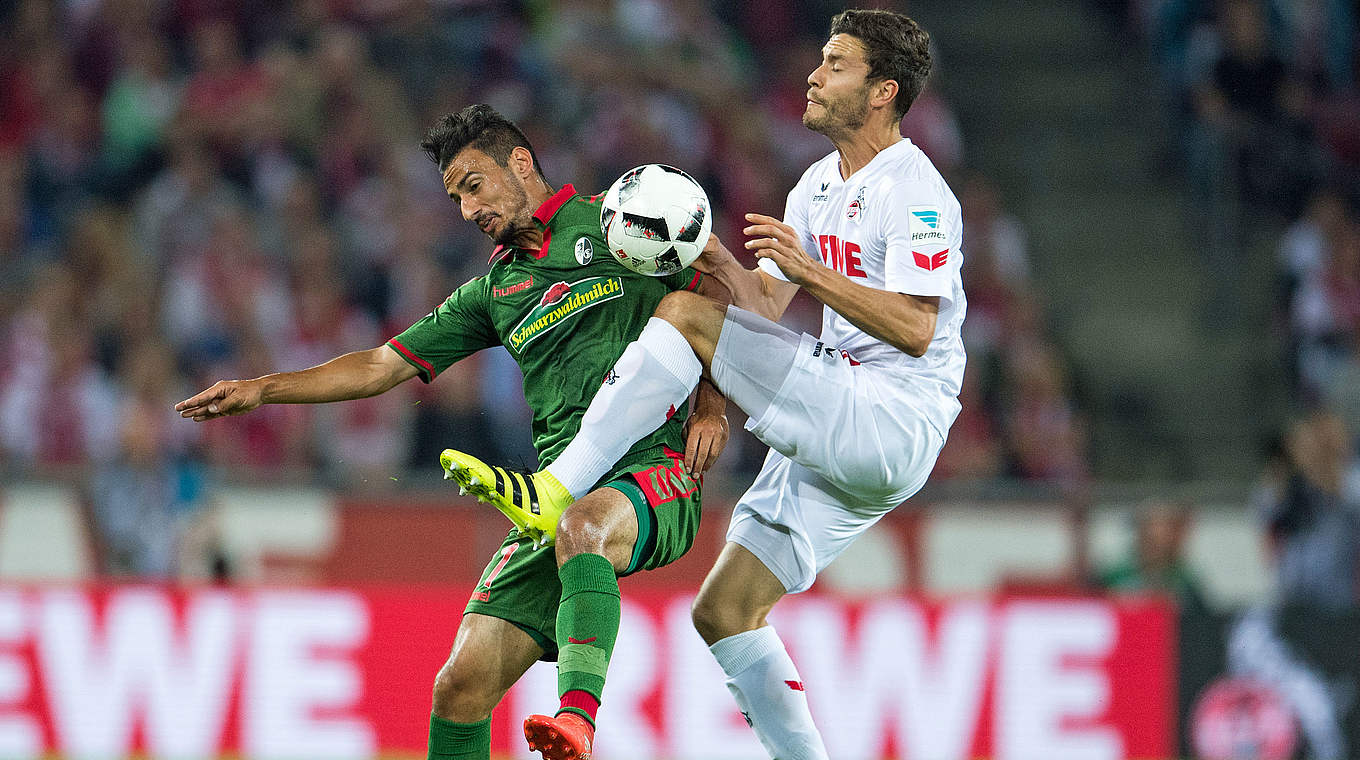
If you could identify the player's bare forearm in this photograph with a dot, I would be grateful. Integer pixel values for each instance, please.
(749, 289)
(706, 430)
(905, 322)
(714, 288)
(770, 297)
(708, 400)
(359, 374)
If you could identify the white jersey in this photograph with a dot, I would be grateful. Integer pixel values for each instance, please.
(893, 225)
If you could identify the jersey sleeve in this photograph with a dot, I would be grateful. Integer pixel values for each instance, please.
(459, 327)
(686, 279)
(796, 216)
(922, 230)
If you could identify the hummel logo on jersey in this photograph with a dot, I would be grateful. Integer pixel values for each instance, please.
(930, 217)
(497, 292)
(930, 262)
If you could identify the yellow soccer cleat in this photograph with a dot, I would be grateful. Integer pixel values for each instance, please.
(533, 501)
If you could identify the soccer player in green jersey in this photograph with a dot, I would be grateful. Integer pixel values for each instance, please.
(565, 311)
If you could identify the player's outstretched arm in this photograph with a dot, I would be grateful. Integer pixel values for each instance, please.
(358, 374)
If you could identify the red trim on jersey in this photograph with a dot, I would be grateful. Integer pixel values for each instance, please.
(411, 357)
(550, 206)
(694, 283)
(543, 215)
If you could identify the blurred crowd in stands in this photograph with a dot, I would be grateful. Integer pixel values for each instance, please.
(195, 189)
(1264, 100)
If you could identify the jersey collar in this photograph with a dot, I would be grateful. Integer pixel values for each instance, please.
(550, 207)
(543, 216)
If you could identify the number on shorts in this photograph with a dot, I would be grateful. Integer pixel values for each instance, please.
(483, 592)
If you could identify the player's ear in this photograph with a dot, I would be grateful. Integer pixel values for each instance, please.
(882, 93)
(522, 162)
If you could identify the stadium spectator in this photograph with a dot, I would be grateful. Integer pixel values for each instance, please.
(1156, 561)
(53, 406)
(1319, 258)
(142, 495)
(974, 450)
(1309, 504)
(1044, 431)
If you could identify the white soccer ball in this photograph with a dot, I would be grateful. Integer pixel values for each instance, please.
(656, 219)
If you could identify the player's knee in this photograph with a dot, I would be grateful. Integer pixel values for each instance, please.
(462, 694)
(716, 620)
(579, 532)
(679, 307)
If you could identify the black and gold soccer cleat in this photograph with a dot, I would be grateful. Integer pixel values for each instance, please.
(533, 501)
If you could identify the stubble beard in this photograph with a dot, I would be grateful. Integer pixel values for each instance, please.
(840, 116)
(519, 221)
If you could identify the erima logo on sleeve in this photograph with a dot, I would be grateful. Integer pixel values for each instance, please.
(931, 262)
(923, 225)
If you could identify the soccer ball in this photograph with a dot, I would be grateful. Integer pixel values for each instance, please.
(656, 219)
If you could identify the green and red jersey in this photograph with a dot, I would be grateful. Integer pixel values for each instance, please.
(565, 313)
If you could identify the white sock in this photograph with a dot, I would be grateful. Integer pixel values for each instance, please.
(655, 375)
(770, 694)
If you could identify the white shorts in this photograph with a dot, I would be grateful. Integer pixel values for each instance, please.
(847, 445)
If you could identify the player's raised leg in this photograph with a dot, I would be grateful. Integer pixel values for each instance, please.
(489, 655)
(596, 538)
(533, 501)
(729, 614)
(655, 374)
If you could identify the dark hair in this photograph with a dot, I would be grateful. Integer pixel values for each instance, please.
(895, 47)
(479, 126)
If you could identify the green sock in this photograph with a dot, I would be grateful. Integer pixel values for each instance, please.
(587, 625)
(459, 741)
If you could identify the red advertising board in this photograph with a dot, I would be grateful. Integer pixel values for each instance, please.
(346, 673)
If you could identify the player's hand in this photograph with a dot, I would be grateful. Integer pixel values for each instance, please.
(776, 241)
(705, 437)
(223, 398)
(714, 257)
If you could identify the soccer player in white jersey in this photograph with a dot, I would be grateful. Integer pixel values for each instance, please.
(854, 418)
